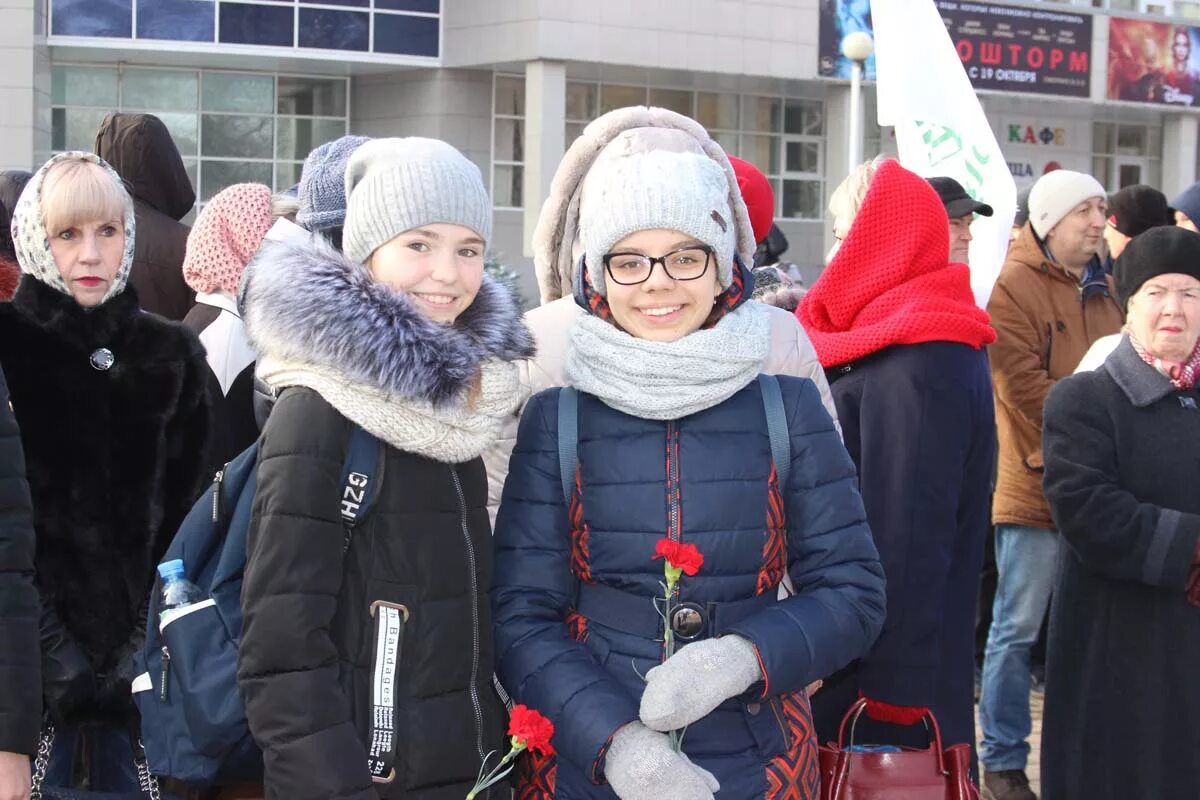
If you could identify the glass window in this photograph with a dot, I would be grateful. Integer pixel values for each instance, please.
(1102, 169)
(612, 97)
(509, 96)
(75, 128)
(109, 18)
(574, 131)
(673, 99)
(802, 199)
(581, 101)
(761, 114)
(233, 91)
(413, 36)
(154, 89)
(191, 166)
(179, 20)
(424, 6)
(805, 117)
(183, 127)
(311, 97)
(83, 86)
(334, 30)
(762, 152)
(510, 140)
(803, 157)
(216, 175)
(1103, 140)
(237, 136)
(247, 24)
(298, 136)
(506, 186)
(1131, 140)
(287, 174)
(715, 110)
(727, 139)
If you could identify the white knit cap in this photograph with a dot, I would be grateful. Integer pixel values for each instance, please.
(630, 188)
(1055, 194)
(395, 185)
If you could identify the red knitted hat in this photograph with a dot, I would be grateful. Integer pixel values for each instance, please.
(226, 236)
(891, 281)
(758, 194)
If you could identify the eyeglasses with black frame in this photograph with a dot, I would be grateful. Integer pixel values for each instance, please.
(685, 264)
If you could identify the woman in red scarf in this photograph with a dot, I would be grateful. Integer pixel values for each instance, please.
(901, 339)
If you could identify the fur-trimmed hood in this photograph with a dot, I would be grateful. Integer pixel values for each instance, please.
(555, 239)
(312, 305)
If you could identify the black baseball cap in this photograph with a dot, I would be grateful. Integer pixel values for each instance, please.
(1137, 209)
(956, 200)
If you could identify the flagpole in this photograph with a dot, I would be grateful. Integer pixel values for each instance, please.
(857, 47)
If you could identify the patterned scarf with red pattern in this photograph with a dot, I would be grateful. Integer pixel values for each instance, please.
(1181, 374)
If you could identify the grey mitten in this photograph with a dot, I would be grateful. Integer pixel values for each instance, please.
(641, 765)
(697, 679)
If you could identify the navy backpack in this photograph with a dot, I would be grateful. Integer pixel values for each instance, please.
(194, 725)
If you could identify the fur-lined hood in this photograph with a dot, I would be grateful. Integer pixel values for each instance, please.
(555, 239)
(310, 304)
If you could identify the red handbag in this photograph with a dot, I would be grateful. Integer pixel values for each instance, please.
(912, 774)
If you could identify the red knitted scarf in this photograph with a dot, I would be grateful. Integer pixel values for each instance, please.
(890, 282)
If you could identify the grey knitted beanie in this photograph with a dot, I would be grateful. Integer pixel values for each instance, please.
(322, 188)
(630, 188)
(395, 185)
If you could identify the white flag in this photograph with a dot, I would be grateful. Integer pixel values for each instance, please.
(940, 126)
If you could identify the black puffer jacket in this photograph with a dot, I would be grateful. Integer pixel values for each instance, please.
(139, 147)
(307, 665)
(20, 670)
(115, 459)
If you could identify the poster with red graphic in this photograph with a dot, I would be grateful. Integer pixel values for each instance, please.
(1153, 62)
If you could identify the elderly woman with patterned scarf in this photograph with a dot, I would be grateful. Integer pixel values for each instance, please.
(1122, 698)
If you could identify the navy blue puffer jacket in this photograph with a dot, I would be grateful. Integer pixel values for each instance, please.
(575, 623)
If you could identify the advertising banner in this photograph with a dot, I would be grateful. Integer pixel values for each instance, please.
(1153, 62)
(1002, 48)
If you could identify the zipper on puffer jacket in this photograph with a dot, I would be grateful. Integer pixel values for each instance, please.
(674, 514)
(476, 705)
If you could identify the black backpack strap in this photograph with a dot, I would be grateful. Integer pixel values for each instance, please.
(777, 427)
(568, 440)
(362, 475)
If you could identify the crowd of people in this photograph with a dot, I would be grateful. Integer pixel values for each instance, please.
(833, 461)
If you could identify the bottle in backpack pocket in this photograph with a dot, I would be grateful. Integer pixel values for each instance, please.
(177, 591)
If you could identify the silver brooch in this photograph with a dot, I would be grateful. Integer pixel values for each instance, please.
(103, 359)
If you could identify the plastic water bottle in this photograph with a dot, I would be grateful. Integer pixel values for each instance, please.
(177, 591)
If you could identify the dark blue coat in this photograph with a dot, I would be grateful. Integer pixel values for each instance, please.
(918, 421)
(572, 595)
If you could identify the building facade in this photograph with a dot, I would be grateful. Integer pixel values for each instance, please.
(248, 87)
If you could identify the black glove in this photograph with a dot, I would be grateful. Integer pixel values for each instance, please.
(113, 685)
(68, 681)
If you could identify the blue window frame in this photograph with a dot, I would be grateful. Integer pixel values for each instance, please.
(335, 30)
(410, 36)
(107, 18)
(177, 20)
(266, 25)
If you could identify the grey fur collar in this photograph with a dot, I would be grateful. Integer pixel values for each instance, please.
(311, 305)
(1142, 383)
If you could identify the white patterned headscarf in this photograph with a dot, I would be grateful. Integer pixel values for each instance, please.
(32, 243)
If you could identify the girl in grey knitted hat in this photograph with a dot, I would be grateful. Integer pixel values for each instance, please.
(672, 447)
(384, 636)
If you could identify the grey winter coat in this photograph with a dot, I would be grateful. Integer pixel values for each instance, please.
(1122, 700)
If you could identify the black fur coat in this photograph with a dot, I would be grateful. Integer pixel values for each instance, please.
(115, 459)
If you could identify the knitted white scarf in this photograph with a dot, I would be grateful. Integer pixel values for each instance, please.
(668, 380)
(450, 435)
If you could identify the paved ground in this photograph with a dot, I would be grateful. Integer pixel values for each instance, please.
(1033, 770)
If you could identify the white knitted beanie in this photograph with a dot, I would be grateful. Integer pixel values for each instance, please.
(630, 189)
(1055, 194)
(395, 185)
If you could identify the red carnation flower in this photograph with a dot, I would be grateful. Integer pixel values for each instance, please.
(686, 558)
(531, 729)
